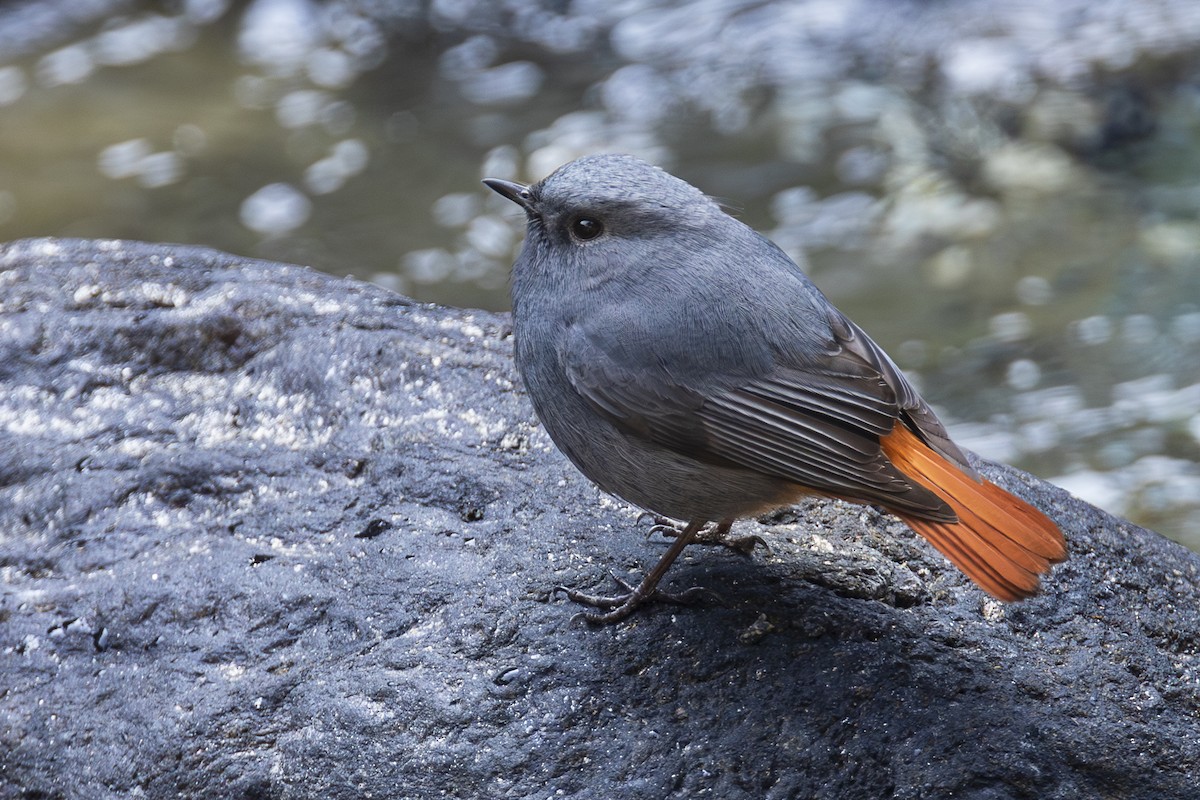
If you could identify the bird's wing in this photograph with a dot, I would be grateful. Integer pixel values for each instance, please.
(851, 343)
(816, 421)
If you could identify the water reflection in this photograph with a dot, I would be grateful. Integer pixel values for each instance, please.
(1007, 197)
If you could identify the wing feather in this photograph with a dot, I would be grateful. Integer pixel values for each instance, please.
(815, 419)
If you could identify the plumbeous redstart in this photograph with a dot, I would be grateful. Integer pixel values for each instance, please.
(685, 363)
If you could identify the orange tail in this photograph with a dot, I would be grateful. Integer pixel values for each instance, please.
(1000, 541)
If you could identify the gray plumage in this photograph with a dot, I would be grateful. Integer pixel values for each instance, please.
(683, 362)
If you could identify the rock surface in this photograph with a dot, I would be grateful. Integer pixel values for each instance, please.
(266, 533)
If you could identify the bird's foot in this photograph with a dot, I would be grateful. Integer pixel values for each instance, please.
(615, 608)
(713, 535)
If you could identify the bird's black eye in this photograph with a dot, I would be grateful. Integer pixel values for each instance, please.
(584, 228)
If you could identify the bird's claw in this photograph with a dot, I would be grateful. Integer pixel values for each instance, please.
(714, 535)
(619, 606)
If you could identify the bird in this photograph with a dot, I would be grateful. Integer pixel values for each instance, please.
(685, 363)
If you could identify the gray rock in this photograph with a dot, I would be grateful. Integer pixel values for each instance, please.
(267, 533)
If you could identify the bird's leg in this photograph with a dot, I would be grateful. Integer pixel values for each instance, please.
(621, 606)
(717, 535)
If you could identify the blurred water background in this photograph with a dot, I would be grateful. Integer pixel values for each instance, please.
(1005, 195)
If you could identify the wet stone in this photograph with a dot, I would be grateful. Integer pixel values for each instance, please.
(264, 533)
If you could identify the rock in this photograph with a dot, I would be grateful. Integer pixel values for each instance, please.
(267, 533)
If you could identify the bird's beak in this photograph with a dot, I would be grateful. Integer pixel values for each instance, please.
(517, 192)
